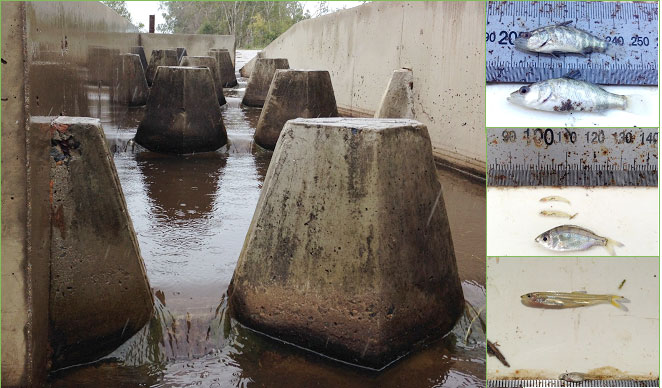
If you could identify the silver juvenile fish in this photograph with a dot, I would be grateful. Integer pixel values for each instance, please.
(563, 300)
(566, 94)
(557, 213)
(561, 38)
(573, 377)
(574, 238)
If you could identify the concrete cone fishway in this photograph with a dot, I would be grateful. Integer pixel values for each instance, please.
(182, 114)
(160, 58)
(228, 77)
(181, 53)
(140, 51)
(99, 292)
(133, 89)
(246, 70)
(293, 94)
(261, 76)
(212, 65)
(398, 98)
(349, 252)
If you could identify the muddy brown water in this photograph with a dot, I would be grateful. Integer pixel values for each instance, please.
(191, 214)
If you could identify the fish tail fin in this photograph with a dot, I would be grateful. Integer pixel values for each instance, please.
(636, 104)
(615, 51)
(610, 244)
(573, 216)
(615, 299)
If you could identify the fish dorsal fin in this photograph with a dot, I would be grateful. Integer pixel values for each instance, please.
(579, 292)
(565, 23)
(572, 74)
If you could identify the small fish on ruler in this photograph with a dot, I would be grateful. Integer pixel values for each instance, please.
(574, 238)
(494, 351)
(554, 198)
(557, 213)
(562, 38)
(567, 94)
(563, 300)
(573, 377)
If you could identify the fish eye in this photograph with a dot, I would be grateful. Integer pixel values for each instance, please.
(524, 90)
(524, 34)
(544, 238)
(529, 295)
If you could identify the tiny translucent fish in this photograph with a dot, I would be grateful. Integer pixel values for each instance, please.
(562, 38)
(557, 213)
(574, 238)
(564, 300)
(554, 198)
(573, 377)
(567, 94)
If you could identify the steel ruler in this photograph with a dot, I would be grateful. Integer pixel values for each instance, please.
(560, 383)
(630, 25)
(572, 156)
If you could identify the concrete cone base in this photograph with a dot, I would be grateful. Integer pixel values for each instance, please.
(182, 114)
(160, 58)
(261, 76)
(212, 65)
(139, 50)
(398, 99)
(347, 253)
(96, 267)
(226, 69)
(292, 94)
(133, 89)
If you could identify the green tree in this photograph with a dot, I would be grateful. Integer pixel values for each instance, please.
(253, 23)
(120, 8)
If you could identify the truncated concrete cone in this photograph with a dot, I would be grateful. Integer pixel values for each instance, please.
(160, 58)
(224, 60)
(141, 52)
(181, 53)
(133, 89)
(99, 292)
(246, 70)
(261, 76)
(349, 252)
(398, 99)
(294, 93)
(212, 65)
(182, 114)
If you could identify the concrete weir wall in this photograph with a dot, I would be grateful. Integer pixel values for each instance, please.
(441, 42)
(196, 45)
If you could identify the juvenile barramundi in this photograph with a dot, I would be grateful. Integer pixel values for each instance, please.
(567, 94)
(562, 38)
(564, 300)
(574, 238)
(557, 213)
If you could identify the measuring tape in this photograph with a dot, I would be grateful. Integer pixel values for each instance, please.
(633, 26)
(572, 156)
(560, 383)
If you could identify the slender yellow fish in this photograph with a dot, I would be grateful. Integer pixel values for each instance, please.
(554, 198)
(563, 300)
(556, 213)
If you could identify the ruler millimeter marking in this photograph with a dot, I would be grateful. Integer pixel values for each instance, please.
(631, 26)
(560, 383)
(572, 156)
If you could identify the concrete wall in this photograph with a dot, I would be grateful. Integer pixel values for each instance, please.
(443, 44)
(194, 44)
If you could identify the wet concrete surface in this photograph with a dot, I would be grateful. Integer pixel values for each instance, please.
(191, 214)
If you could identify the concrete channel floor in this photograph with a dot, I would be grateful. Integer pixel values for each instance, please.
(191, 214)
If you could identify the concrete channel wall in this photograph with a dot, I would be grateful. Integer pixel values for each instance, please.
(441, 42)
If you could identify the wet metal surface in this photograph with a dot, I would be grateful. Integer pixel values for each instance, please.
(191, 214)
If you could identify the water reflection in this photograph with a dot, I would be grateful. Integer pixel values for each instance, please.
(181, 188)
